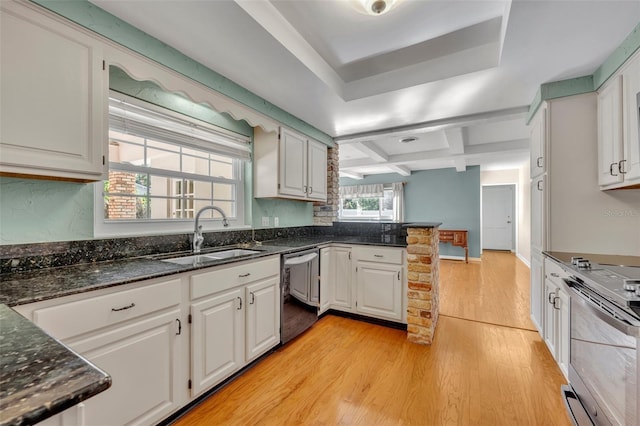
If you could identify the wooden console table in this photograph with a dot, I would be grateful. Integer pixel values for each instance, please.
(457, 237)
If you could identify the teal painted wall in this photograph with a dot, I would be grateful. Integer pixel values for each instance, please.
(34, 211)
(97, 20)
(443, 195)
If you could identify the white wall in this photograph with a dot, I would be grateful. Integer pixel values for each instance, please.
(520, 178)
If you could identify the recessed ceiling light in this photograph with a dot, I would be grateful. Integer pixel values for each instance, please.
(409, 139)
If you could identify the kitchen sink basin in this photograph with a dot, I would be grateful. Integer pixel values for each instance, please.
(197, 259)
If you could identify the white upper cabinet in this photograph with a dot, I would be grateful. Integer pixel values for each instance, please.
(289, 165)
(52, 95)
(538, 141)
(618, 127)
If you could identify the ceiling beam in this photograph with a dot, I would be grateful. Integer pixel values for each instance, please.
(460, 164)
(455, 139)
(372, 151)
(440, 124)
(472, 151)
(401, 170)
(352, 175)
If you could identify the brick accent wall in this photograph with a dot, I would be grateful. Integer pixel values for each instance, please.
(122, 207)
(423, 273)
(326, 213)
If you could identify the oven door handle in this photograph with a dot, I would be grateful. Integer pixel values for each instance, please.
(575, 409)
(622, 326)
(297, 260)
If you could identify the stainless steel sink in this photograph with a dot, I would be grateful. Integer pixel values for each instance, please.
(198, 259)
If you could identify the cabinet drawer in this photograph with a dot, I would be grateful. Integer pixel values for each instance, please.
(554, 271)
(380, 254)
(75, 318)
(226, 277)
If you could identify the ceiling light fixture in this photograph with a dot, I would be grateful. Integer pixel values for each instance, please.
(377, 7)
(409, 139)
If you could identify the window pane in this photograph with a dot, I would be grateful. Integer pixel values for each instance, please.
(369, 204)
(223, 191)
(195, 165)
(201, 189)
(121, 182)
(162, 186)
(125, 207)
(126, 153)
(163, 159)
(126, 137)
(162, 146)
(222, 170)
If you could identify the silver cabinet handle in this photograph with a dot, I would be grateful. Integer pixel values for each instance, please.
(179, 327)
(239, 307)
(621, 169)
(378, 255)
(306, 189)
(310, 190)
(552, 294)
(539, 186)
(244, 275)
(124, 308)
(253, 298)
(554, 303)
(398, 275)
(539, 161)
(611, 168)
(555, 275)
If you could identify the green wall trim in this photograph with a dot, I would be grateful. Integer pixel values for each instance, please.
(617, 58)
(560, 89)
(589, 83)
(99, 21)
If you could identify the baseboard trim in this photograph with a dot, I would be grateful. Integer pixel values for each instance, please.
(525, 261)
(471, 259)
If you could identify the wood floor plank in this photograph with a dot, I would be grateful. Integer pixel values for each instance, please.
(346, 372)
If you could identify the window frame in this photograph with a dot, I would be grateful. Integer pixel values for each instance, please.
(132, 227)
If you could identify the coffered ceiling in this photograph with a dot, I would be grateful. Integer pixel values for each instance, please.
(457, 75)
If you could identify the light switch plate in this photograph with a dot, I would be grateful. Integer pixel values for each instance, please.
(265, 220)
(276, 221)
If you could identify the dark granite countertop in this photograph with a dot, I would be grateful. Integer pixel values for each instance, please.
(20, 288)
(421, 224)
(603, 259)
(40, 376)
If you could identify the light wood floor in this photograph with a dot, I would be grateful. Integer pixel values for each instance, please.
(345, 372)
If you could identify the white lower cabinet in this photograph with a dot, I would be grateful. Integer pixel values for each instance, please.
(367, 280)
(136, 335)
(217, 339)
(556, 305)
(379, 290)
(235, 314)
(537, 291)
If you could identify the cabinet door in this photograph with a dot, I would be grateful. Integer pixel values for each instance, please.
(144, 363)
(293, 164)
(537, 291)
(550, 322)
(610, 132)
(263, 317)
(631, 113)
(379, 290)
(564, 341)
(52, 98)
(538, 142)
(326, 267)
(538, 213)
(217, 339)
(341, 282)
(317, 173)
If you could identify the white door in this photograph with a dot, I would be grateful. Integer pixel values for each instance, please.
(326, 266)
(217, 339)
(317, 165)
(610, 132)
(341, 282)
(263, 317)
(293, 164)
(498, 207)
(379, 290)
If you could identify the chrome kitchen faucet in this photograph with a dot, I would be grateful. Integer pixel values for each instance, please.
(198, 239)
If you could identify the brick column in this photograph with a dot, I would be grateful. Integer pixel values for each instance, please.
(327, 213)
(423, 262)
(122, 207)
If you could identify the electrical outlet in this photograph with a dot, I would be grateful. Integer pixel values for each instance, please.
(276, 221)
(265, 220)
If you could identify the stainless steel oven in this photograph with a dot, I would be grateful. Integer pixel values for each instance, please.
(604, 362)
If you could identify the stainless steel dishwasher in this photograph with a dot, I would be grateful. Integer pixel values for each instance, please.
(300, 292)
